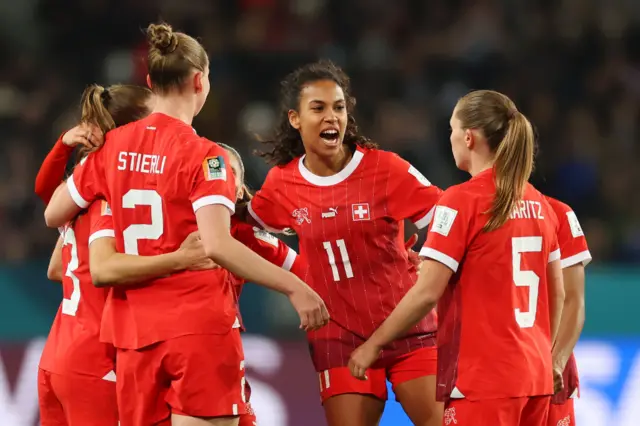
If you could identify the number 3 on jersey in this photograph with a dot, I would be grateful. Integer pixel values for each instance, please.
(70, 305)
(346, 262)
(152, 231)
(522, 278)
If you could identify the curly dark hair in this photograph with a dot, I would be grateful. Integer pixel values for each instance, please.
(286, 143)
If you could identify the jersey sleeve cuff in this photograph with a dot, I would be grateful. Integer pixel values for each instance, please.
(425, 220)
(288, 261)
(445, 259)
(554, 255)
(104, 233)
(261, 222)
(214, 199)
(75, 194)
(583, 257)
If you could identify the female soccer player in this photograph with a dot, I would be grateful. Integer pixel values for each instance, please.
(493, 267)
(575, 256)
(163, 182)
(76, 380)
(347, 201)
(263, 243)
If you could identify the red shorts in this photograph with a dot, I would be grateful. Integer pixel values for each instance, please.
(249, 418)
(76, 400)
(524, 411)
(419, 363)
(195, 375)
(562, 414)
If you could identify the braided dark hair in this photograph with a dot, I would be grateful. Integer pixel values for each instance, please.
(286, 143)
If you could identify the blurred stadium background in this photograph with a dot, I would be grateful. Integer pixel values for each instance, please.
(573, 66)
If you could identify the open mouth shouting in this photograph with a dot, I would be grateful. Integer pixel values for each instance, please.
(330, 137)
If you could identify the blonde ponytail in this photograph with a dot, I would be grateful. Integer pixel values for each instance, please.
(94, 110)
(513, 166)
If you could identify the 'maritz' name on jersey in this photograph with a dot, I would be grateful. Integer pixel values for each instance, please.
(142, 163)
(527, 209)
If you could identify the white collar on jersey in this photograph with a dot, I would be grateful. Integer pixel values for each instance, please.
(333, 179)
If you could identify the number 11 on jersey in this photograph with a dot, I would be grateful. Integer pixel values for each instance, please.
(332, 259)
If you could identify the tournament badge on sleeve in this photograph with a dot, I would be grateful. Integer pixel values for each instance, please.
(214, 168)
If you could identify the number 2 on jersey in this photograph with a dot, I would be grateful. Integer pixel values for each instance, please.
(135, 232)
(346, 262)
(70, 305)
(522, 278)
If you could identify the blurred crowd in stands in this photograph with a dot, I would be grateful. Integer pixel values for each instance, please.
(573, 66)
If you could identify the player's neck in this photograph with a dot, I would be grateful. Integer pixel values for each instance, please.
(328, 166)
(176, 107)
(478, 167)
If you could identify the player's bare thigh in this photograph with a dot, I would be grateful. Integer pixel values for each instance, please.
(353, 409)
(180, 420)
(418, 400)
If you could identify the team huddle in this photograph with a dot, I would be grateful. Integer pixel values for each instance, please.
(158, 234)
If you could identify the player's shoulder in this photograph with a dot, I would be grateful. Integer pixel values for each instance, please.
(558, 206)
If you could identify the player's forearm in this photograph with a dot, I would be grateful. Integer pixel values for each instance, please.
(569, 331)
(51, 172)
(61, 207)
(234, 256)
(573, 314)
(121, 269)
(414, 306)
(556, 297)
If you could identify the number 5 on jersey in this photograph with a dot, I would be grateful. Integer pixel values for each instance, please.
(346, 262)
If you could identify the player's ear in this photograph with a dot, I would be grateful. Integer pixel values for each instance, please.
(469, 138)
(294, 119)
(149, 82)
(197, 82)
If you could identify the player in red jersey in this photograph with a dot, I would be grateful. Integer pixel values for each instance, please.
(575, 256)
(493, 267)
(163, 182)
(261, 242)
(76, 379)
(347, 201)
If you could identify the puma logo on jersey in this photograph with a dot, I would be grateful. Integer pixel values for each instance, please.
(301, 215)
(333, 212)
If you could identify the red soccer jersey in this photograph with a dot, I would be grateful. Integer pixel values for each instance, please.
(574, 250)
(73, 345)
(494, 338)
(267, 246)
(155, 173)
(348, 225)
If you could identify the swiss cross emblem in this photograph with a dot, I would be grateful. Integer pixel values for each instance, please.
(450, 416)
(360, 211)
(301, 215)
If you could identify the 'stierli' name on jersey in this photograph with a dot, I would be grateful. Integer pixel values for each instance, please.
(527, 209)
(142, 163)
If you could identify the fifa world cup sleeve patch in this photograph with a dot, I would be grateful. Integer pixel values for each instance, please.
(214, 168)
(443, 220)
(574, 224)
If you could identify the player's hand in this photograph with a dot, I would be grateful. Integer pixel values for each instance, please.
(363, 358)
(414, 257)
(558, 382)
(193, 255)
(310, 307)
(87, 135)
